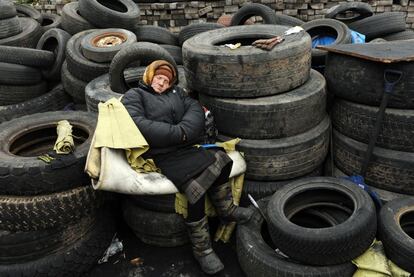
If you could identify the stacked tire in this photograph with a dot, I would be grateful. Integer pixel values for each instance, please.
(271, 100)
(317, 225)
(50, 219)
(354, 114)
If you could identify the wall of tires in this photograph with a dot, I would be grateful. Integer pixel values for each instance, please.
(175, 14)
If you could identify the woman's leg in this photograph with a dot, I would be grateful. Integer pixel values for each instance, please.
(196, 211)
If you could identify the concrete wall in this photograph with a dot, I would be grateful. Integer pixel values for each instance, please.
(174, 15)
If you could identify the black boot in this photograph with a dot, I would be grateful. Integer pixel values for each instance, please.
(201, 242)
(223, 202)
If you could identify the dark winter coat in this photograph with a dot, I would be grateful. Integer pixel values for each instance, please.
(171, 123)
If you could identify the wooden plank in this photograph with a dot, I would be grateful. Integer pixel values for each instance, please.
(384, 52)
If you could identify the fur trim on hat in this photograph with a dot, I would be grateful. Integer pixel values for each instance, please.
(155, 66)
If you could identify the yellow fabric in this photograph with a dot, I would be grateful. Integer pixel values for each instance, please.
(224, 231)
(116, 129)
(64, 143)
(374, 263)
(150, 71)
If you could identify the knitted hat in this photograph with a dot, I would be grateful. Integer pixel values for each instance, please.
(159, 67)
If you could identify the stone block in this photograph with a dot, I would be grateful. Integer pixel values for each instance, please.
(317, 6)
(290, 12)
(205, 10)
(231, 9)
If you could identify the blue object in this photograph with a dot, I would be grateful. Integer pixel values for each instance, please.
(322, 40)
(357, 37)
(207, 146)
(359, 181)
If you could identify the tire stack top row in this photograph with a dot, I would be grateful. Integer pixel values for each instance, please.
(271, 100)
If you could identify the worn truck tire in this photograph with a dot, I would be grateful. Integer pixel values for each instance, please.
(283, 19)
(158, 203)
(322, 246)
(396, 231)
(285, 158)
(196, 28)
(175, 52)
(277, 116)
(258, 258)
(347, 77)
(24, 139)
(403, 35)
(21, 75)
(72, 20)
(326, 27)
(72, 260)
(26, 56)
(50, 21)
(78, 65)
(389, 169)
(254, 9)
(339, 12)
(109, 14)
(48, 211)
(155, 34)
(7, 9)
(15, 94)
(10, 27)
(28, 11)
(249, 71)
(72, 85)
(380, 24)
(357, 121)
(54, 40)
(28, 37)
(155, 228)
(55, 99)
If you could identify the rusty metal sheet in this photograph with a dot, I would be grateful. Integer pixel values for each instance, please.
(385, 52)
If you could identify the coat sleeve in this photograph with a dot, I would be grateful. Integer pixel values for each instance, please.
(193, 120)
(158, 134)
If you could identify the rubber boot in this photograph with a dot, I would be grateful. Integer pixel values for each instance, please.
(222, 199)
(202, 250)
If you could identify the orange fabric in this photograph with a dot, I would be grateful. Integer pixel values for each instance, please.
(153, 67)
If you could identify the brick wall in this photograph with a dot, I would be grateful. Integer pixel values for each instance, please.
(177, 14)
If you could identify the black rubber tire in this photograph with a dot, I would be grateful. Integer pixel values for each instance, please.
(286, 158)
(361, 10)
(158, 203)
(26, 56)
(377, 40)
(73, 260)
(12, 94)
(155, 34)
(175, 51)
(249, 71)
(403, 35)
(18, 247)
(41, 212)
(322, 246)
(357, 121)
(254, 9)
(144, 52)
(28, 174)
(10, 27)
(262, 189)
(155, 228)
(379, 25)
(54, 40)
(396, 221)
(55, 99)
(72, 85)
(196, 28)
(258, 258)
(105, 54)
(283, 19)
(99, 90)
(7, 9)
(28, 37)
(50, 21)
(389, 169)
(78, 65)
(107, 14)
(21, 75)
(278, 116)
(324, 27)
(72, 21)
(384, 195)
(29, 11)
(347, 77)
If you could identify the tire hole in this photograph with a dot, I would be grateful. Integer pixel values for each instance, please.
(113, 5)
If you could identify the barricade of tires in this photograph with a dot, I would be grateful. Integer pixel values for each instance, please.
(251, 96)
(316, 226)
(51, 220)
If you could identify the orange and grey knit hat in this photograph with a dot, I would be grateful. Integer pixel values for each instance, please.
(159, 67)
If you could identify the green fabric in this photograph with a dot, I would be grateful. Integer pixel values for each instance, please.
(64, 143)
(116, 129)
(374, 263)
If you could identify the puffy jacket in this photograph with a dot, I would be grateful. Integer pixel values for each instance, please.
(168, 121)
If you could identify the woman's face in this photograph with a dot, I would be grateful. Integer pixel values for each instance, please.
(160, 83)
